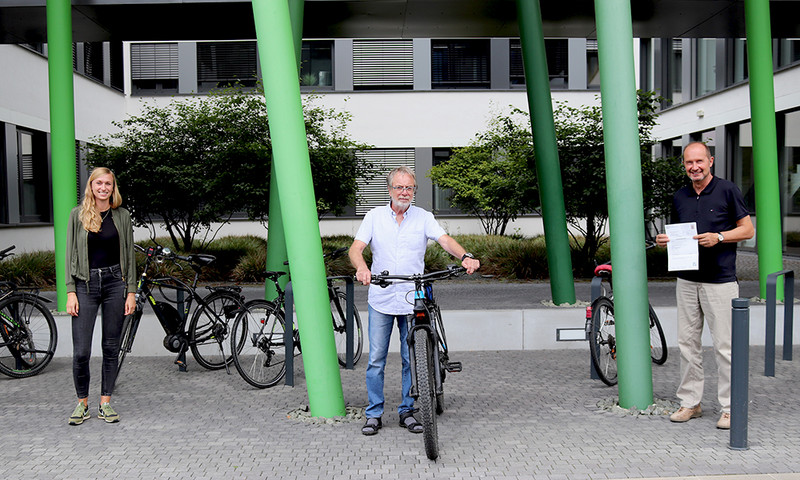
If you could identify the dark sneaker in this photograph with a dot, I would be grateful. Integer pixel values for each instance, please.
(80, 414)
(107, 413)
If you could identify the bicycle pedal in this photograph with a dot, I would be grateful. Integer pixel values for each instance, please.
(454, 367)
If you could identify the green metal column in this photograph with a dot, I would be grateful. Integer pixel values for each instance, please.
(765, 142)
(276, 240)
(625, 204)
(548, 170)
(293, 174)
(62, 130)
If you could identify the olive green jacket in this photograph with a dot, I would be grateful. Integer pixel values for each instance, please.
(77, 254)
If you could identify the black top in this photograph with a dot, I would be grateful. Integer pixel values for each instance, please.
(104, 245)
(716, 209)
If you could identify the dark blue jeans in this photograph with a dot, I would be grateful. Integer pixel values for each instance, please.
(105, 288)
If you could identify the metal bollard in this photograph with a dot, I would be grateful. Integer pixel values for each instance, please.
(740, 359)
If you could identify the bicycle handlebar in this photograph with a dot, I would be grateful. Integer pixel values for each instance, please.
(382, 279)
(4, 253)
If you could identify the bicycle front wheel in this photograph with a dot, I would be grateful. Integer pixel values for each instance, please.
(28, 336)
(129, 326)
(658, 343)
(338, 306)
(603, 340)
(426, 387)
(210, 326)
(260, 358)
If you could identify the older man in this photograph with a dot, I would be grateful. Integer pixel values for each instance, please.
(717, 207)
(398, 235)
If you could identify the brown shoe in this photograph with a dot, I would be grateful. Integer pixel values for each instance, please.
(724, 422)
(685, 414)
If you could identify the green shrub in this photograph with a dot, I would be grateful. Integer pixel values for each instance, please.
(30, 269)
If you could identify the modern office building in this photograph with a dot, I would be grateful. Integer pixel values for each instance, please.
(413, 99)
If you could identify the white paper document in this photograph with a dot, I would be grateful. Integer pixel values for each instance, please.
(682, 249)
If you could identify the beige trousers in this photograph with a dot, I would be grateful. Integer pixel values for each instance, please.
(697, 303)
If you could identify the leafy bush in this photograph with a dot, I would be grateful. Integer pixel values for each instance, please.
(31, 269)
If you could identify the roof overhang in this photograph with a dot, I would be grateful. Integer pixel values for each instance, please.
(152, 20)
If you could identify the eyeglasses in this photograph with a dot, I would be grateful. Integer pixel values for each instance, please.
(400, 188)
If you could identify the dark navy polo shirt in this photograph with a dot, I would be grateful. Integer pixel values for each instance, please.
(716, 209)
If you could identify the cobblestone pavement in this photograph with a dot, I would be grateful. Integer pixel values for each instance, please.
(509, 415)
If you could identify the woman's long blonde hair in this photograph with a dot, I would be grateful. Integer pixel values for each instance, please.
(89, 216)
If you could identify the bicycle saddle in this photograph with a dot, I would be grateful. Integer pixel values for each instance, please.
(602, 270)
(202, 259)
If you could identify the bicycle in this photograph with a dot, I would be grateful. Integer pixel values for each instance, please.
(208, 329)
(601, 331)
(28, 335)
(428, 351)
(261, 359)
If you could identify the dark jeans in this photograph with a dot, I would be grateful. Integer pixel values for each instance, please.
(105, 288)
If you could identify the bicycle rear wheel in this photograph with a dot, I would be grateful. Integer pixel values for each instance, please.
(28, 336)
(603, 340)
(338, 306)
(426, 386)
(210, 326)
(260, 358)
(658, 343)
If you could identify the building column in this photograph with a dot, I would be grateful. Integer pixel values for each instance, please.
(276, 238)
(765, 141)
(276, 46)
(62, 130)
(625, 202)
(548, 169)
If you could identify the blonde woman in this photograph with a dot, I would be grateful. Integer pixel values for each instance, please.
(101, 270)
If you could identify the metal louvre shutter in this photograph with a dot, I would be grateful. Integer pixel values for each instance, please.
(374, 193)
(226, 61)
(151, 61)
(378, 63)
(460, 63)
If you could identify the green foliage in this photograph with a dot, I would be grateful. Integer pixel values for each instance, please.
(493, 178)
(197, 161)
(31, 269)
(579, 132)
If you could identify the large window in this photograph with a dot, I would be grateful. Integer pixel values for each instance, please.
(743, 175)
(592, 65)
(383, 64)
(737, 61)
(93, 60)
(34, 177)
(706, 66)
(675, 60)
(441, 196)
(221, 64)
(788, 51)
(154, 68)
(557, 63)
(316, 64)
(460, 63)
(792, 162)
(374, 192)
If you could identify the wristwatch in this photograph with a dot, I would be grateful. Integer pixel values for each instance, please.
(467, 255)
(720, 237)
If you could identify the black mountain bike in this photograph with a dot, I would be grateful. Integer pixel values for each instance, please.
(427, 348)
(28, 334)
(207, 332)
(602, 335)
(261, 359)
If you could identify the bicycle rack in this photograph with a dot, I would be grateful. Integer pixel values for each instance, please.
(288, 333)
(788, 320)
